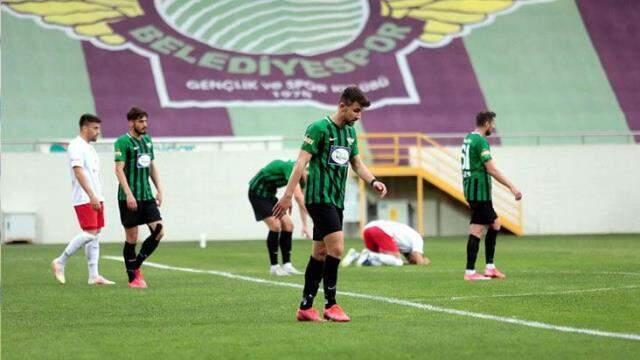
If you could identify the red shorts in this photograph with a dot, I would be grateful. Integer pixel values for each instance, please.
(378, 241)
(88, 218)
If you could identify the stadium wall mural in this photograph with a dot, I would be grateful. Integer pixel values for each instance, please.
(244, 67)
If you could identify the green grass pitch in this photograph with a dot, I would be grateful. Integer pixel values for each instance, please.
(576, 282)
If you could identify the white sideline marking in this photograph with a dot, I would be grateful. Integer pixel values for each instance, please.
(509, 320)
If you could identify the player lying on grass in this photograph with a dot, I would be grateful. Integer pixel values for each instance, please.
(386, 243)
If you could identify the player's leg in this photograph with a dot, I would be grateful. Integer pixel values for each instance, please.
(490, 250)
(262, 210)
(92, 252)
(129, 252)
(335, 247)
(88, 224)
(130, 220)
(156, 232)
(383, 250)
(272, 244)
(477, 225)
(148, 214)
(286, 234)
(312, 278)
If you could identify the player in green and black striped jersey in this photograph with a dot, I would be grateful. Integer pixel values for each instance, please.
(134, 158)
(262, 195)
(330, 146)
(477, 169)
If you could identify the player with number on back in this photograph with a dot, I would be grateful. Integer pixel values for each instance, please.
(477, 165)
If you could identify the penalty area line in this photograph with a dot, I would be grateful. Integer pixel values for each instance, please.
(396, 301)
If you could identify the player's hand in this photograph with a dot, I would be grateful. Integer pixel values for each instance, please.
(281, 207)
(159, 198)
(306, 233)
(132, 204)
(380, 187)
(516, 193)
(95, 203)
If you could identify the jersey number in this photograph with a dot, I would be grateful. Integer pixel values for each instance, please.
(466, 167)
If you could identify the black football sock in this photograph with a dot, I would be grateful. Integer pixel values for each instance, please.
(129, 254)
(490, 245)
(312, 278)
(473, 244)
(272, 247)
(330, 280)
(285, 246)
(147, 248)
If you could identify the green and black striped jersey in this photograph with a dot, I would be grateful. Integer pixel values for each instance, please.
(271, 177)
(137, 155)
(331, 148)
(475, 179)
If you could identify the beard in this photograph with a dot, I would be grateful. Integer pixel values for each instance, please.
(140, 132)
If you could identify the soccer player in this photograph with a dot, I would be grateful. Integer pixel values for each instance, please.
(262, 195)
(134, 158)
(88, 201)
(477, 165)
(386, 242)
(330, 145)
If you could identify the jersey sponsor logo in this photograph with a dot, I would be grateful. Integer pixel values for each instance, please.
(308, 140)
(350, 141)
(212, 53)
(339, 155)
(144, 160)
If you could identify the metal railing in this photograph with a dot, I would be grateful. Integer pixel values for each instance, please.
(438, 164)
(277, 142)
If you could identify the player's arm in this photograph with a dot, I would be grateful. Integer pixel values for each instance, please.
(156, 182)
(363, 172)
(418, 259)
(132, 204)
(492, 169)
(284, 204)
(299, 197)
(84, 183)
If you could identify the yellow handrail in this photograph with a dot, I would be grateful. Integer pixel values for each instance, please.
(422, 155)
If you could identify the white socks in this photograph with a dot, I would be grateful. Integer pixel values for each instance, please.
(76, 243)
(385, 259)
(490, 266)
(92, 251)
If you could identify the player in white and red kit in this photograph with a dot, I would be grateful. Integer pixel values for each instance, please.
(87, 200)
(386, 243)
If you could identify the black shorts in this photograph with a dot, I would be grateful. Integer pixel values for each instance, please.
(326, 218)
(482, 212)
(147, 213)
(262, 206)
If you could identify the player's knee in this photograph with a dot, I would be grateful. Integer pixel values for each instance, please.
(273, 224)
(319, 255)
(287, 225)
(158, 232)
(476, 230)
(336, 251)
(496, 225)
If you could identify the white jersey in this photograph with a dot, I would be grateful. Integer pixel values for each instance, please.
(82, 154)
(407, 239)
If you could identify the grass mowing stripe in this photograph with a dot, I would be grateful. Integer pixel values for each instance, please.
(534, 324)
(566, 292)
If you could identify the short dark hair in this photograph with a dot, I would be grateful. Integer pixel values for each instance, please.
(484, 116)
(135, 113)
(354, 94)
(85, 119)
